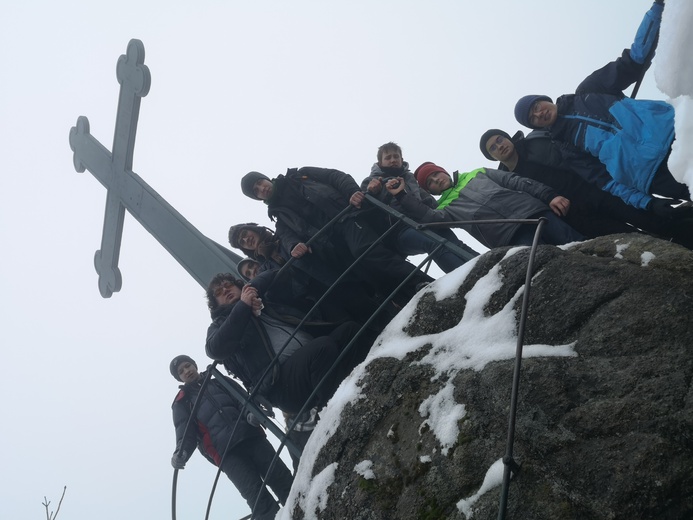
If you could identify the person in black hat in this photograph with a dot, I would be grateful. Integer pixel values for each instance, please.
(486, 194)
(227, 438)
(593, 212)
(304, 200)
(631, 137)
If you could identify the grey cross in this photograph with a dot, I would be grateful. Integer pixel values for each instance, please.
(199, 255)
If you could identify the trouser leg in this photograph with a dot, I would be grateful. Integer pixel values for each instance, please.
(241, 470)
(279, 480)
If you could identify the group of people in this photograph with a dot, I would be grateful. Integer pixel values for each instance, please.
(314, 293)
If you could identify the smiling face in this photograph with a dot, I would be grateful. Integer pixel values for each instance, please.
(438, 182)
(543, 114)
(187, 372)
(227, 293)
(262, 189)
(500, 148)
(248, 239)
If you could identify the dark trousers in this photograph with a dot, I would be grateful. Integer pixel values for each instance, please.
(555, 232)
(382, 268)
(300, 374)
(664, 184)
(246, 465)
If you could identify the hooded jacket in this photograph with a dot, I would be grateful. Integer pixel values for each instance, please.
(217, 418)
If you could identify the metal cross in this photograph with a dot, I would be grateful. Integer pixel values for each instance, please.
(199, 255)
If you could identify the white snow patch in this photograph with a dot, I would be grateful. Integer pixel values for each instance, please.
(425, 459)
(493, 478)
(365, 469)
(313, 500)
(443, 414)
(620, 248)
(646, 258)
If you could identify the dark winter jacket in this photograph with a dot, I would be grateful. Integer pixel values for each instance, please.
(411, 186)
(216, 419)
(630, 137)
(305, 200)
(485, 194)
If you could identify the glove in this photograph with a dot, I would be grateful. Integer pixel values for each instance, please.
(178, 460)
(661, 208)
(252, 420)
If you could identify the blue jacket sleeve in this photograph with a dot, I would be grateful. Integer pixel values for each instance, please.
(618, 75)
(630, 196)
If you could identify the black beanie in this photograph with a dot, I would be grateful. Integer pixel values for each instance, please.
(248, 183)
(486, 136)
(524, 105)
(173, 367)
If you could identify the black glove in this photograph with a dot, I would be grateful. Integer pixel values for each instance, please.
(178, 460)
(661, 208)
(659, 2)
(252, 420)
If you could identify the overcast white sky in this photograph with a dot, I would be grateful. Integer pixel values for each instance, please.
(236, 86)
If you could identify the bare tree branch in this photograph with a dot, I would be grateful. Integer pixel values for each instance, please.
(46, 503)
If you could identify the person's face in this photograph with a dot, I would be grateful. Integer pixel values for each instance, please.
(187, 372)
(262, 189)
(249, 270)
(438, 182)
(248, 239)
(391, 159)
(500, 148)
(226, 293)
(543, 114)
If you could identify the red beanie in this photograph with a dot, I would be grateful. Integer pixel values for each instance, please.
(424, 171)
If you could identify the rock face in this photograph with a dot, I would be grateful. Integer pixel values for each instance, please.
(603, 434)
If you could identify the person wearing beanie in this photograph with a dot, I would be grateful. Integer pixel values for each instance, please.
(228, 437)
(408, 241)
(485, 194)
(269, 354)
(306, 199)
(248, 268)
(632, 138)
(593, 212)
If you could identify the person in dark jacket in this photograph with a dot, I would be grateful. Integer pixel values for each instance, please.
(593, 212)
(304, 200)
(485, 194)
(230, 440)
(307, 280)
(409, 241)
(248, 335)
(631, 137)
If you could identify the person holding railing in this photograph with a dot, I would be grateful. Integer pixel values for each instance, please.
(593, 212)
(269, 354)
(305, 200)
(485, 194)
(409, 241)
(227, 438)
(305, 282)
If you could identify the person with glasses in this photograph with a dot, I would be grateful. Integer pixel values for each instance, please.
(632, 138)
(486, 194)
(593, 212)
(228, 438)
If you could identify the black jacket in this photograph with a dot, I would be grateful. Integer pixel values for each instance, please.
(214, 423)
